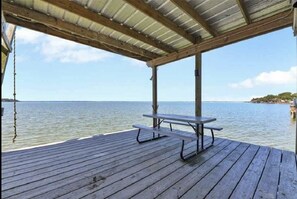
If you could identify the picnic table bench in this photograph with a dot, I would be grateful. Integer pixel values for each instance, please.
(211, 128)
(197, 123)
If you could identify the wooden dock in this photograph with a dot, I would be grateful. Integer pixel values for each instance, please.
(116, 166)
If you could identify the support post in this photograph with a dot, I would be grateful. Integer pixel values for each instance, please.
(198, 78)
(9, 33)
(155, 98)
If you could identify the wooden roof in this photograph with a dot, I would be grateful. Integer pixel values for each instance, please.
(156, 31)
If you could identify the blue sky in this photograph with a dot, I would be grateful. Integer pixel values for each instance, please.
(49, 68)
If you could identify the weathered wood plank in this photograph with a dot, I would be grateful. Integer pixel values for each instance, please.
(36, 157)
(77, 188)
(48, 158)
(203, 186)
(287, 188)
(267, 187)
(82, 158)
(135, 177)
(118, 167)
(163, 184)
(249, 181)
(227, 184)
(45, 179)
(183, 185)
(128, 165)
(7, 155)
(244, 11)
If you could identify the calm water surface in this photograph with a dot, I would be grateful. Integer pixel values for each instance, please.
(46, 122)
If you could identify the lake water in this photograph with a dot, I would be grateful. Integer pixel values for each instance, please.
(46, 122)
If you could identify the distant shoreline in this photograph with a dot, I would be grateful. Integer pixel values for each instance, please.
(282, 98)
(270, 102)
(9, 100)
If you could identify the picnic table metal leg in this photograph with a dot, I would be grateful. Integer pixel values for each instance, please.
(202, 136)
(188, 156)
(182, 149)
(212, 135)
(148, 140)
(137, 137)
(197, 134)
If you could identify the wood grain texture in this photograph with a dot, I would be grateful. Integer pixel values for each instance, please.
(116, 166)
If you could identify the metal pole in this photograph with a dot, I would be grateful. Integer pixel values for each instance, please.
(155, 98)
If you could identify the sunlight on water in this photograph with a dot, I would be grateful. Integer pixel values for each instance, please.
(46, 122)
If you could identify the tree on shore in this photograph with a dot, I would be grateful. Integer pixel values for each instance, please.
(285, 97)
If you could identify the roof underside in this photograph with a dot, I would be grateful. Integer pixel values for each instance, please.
(157, 31)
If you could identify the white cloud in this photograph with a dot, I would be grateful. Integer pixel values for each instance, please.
(269, 78)
(28, 36)
(56, 49)
(135, 62)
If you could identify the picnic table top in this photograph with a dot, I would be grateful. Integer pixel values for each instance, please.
(182, 118)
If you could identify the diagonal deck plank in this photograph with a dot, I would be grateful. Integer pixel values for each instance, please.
(116, 166)
(248, 183)
(122, 180)
(37, 184)
(163, 184)
(233, 176)
(267, 187)
(288, 176)
(133, 189)
(99, 151)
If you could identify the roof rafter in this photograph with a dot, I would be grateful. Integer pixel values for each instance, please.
(75, 8)
(187, 8)
(65, 35)
(69, 27)
(272, 23)
(244, 11)
(146, 9)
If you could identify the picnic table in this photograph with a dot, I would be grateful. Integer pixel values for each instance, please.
(197, 124)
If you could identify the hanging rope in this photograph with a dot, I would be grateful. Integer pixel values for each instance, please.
(14, 91)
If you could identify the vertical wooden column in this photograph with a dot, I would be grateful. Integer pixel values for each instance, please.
(198, 81)
(155, 89)
(9, 33)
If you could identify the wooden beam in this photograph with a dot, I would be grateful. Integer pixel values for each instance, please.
(9, 33)
(198, 82)
(155, 93)
(263, 26)
(75, 8)
(244, 11)
(148, 10)
(187, 8)
(71, 28)
(58, 33)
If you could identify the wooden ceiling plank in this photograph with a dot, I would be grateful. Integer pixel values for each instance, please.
(75, 8)
(244, 11)
(157, 16)
(68, 36)
(188, 9)
(66, 26)
(272, 23)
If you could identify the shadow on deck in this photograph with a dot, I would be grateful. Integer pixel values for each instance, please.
(116, 166)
